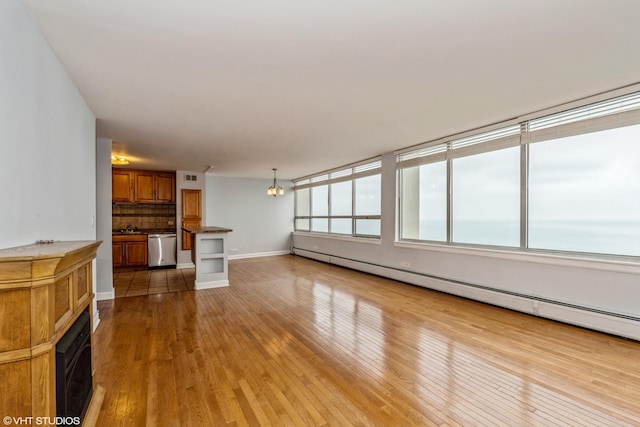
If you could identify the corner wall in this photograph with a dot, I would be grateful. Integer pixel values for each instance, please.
(261, 224)
(104, 259)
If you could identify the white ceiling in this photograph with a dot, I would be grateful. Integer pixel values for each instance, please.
(305, 86)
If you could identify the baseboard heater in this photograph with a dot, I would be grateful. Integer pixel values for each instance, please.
(588, 317)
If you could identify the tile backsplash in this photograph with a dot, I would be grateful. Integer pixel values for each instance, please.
(144, 216)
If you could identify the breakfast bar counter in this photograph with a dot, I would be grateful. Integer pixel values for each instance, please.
(210, 229)
(210, 255)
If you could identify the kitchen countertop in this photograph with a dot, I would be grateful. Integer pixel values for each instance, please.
(143, 231)
(210, 229)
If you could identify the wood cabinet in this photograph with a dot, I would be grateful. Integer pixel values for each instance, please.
(155, 187)
(117, 253)
(145, 188)
(129, 250)
(191, 204)
(186, 236)
(44, 289)
(122, 184)
(191, 214)
(165, 187)
(132, 186)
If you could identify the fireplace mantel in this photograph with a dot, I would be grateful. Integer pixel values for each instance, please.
(43, 289)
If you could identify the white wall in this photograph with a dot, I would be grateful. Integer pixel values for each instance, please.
(47, 140)
(261, 224)
(520, 281)
(184, 257)
(104, 261)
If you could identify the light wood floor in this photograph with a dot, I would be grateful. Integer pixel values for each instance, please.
(297, 342)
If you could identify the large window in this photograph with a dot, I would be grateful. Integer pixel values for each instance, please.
(303, 209)
(320, 208)
(345, 201)
(486, 198)
(568, 181)
(367, 201)
(341, 207)
(465, 191)
(424, 202)
(584, 193)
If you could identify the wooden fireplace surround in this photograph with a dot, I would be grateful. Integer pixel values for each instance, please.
(43, 290)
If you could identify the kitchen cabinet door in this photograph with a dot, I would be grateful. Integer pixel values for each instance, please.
(191, 214)
(135, 254)
(131, 186)
(191, 205)
(145, 190)
(129, 250)
(186, 236)
(117, 251)
(122, 182)
(165, 188)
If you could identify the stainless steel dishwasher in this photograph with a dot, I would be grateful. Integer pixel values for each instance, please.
(161, 249)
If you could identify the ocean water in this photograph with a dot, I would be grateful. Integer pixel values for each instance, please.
(598, 236)
(601, 237)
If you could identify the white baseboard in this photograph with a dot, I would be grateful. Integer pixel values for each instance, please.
(96, 320)
(259, 254)
(185, 265)
(101, 296)
(210, 285)
(611, 323)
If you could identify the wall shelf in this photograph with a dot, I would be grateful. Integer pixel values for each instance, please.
(212, 246)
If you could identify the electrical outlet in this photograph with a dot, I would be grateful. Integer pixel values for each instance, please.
(170, 222)
(405, 264)
(233, 250)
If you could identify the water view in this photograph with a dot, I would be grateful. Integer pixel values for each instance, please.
(601, 237)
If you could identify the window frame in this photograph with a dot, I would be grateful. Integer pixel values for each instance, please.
(352, 172)
(606, 111)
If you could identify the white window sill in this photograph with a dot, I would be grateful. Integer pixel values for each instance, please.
(567, 260)
(369, 240)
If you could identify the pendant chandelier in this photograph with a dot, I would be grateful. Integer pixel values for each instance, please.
(275, 189)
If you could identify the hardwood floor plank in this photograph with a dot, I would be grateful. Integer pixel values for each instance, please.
(296, 342)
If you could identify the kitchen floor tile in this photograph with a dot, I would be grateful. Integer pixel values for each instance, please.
(147, 282)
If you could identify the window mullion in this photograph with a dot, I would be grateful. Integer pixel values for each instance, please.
(449, 194)
(329, 211)
(353, 207)
(310, 209)
(399, 214)
(524, 189)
